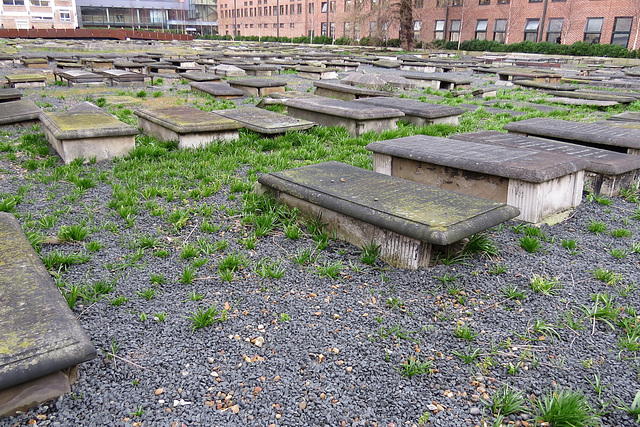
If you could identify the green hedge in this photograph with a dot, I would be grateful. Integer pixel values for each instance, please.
(547, 48)
(577, 49)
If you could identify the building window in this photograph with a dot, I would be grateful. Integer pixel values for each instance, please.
(621, 31)
(13, 2)
(442, 3)
(481, 29)
(266, 25)
(438, 30)
(65, 15)
(503, 1)
(554, 30)
(454, 30)
(347, 5)
(418, 4)
(44, 3)
(292, 25)
(356, 30)
(484, 2)
(310, 8)
(593, 29)
(323, 9)
(299, 8)
(323, 28)
(500, 30)
(332, 30)
(535, 1)
(250, 25)
(417, 29)
(456, 2)
(347, 29)
(373, 26)
(531, 30)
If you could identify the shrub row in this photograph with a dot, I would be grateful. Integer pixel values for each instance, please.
(576, 49)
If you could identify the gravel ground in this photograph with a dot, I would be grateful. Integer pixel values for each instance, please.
(307, 350)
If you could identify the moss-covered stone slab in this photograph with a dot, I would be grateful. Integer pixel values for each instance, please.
(20, 111)
(258, 87)
(350, 115)
(405, 218)
(317, 73)
(79, 77)
(264, 121)
(444, 81)
(589, 134)
(627, 116)
(35, 62)
(40, 335)
(416, 112)
(26, 80)
(607, 172)
(122, 100)
(200, 77)
(124, 77)
(544, 85)
(10, 94)
(228, 70)
(540, 184)
(345, 92)
(89, 132)
(189, 126)
(218, 90)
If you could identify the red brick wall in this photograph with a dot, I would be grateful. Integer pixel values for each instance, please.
(574, 13)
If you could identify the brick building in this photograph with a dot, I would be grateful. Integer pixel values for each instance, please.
(508, 21)
(41, 14)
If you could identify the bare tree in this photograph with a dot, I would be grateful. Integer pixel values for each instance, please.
(406, 24)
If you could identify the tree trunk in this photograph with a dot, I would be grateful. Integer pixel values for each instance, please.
(406, 24)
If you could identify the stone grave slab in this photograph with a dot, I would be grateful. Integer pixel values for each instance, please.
(19, 81)
(258, 87)
(218, 90)
(10, 94)
(513, 74)
(21, 111)
(41, 340)
(492, 110)
(386, 64)
(79, 78)
(521, 104)
(124, 78)
(265, 122)
(606, 174)
(602, 96)
(345, 92)
(86, 131)
(200, 77)
(343, 66)
(35, 62)
(367, 80)
(98, 63)
(543, 85)
(405, 218)
(136, 67)
(589, 134)
(189, 126)
(162, 68)
(627, 116)
(575, 101)
(317, 73)
(334, 112)
(259, 70)
(416, 112)
(69, 65)
(539, 184)
(227, 70)
(443, 81)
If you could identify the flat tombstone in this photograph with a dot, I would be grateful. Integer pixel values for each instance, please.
(264, 121)
(345, 92)
(40, 335)
(88, 132)
(492, 110)
(405, 218)
(442, 81)
(611, 97)
(227, 70)
(218, 90)
(122, 100)
(627, 116)
(200, 77)
(26, 80)
(10, 94)
(333, 112)
(539, 107)
(416, 112)
(189, 126)
(544, 85)
(607, 172)
(540, 184)
(260, 70)
(258, 87)
(124, 77)
(19, 112)
(589, 134)
(35, 63)
(79, 77)
(318, 73)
